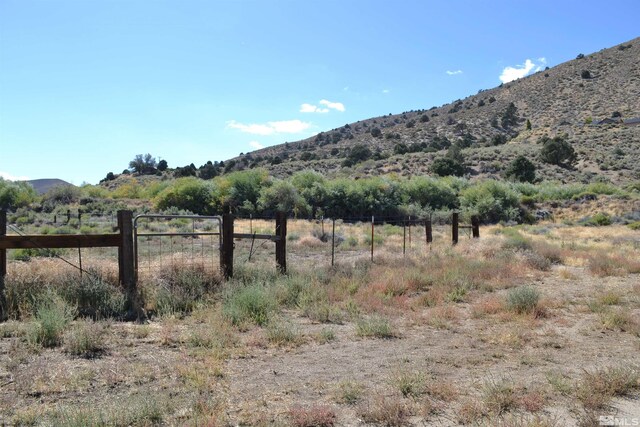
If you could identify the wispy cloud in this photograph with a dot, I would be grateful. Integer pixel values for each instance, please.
(270, 128)
(309, 108)
(512, 73)
(385, 91)
(333, 105)
(325, 107)
(256, 145)
(453, 73)
(10, 177)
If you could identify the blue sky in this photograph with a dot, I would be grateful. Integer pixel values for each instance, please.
(86, 85)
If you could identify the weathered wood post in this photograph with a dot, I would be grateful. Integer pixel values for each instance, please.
(226, 252)
(454, 228)
(428, 230)
(475, 226)
(68, 216)
(404, 237)
(281, 242)
(333, 241)
(126, 258)
(373, 220)
(3, 265)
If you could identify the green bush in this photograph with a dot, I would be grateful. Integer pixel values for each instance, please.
(253, 303)
(521, 169)
(600, 219)
(190, 194)
(85, 339)
(523, 299)
(53, 315)
(557, 151)
(93, 295)
(492, 200)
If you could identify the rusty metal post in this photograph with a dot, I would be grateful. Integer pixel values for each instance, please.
(475, 226)
(226, 252)
(281, 243)
(454, 227)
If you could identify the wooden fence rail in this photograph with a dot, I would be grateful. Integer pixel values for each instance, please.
(124, 241)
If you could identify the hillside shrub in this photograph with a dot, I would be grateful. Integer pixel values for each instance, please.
(523, 299)
(557, 151)
(521, 169)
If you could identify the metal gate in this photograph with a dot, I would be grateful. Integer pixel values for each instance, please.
(149, 237)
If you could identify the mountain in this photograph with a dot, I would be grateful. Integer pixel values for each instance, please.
(44, 185)
(571, 100)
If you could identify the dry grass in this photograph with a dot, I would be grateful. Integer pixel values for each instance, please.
(256, 350)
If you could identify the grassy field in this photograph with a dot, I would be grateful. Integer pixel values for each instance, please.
(528, 326)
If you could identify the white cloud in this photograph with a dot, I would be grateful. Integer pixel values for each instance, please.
(385, 91)
(328, 105)
(512, 73)
(453, 73)
(308, 108)
(10, 177)
(285, 126)
(256, 145)
(333, 105)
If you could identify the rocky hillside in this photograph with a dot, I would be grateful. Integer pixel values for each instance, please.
(569, 99)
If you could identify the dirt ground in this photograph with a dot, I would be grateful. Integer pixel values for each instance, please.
(455, 363)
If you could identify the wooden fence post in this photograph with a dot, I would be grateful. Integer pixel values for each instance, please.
(3, 265)
(454, 228)
(428, 230)
(226, 252)
(333, 240)
(475, 226)
(281, 243)
(126, 259)
(372, 235)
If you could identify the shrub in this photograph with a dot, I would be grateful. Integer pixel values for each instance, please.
(521, 169)
(374, 326)
(446, 166)
(188, 194)
(599, 219)
(557, 151)
(585, 74)
(52, 317)
(251, 303)
(282, 332)
(596, 389)
(92, 295)
(348, 392)
(523, 299)
(182, 288)
(85, 339)
(313, 416)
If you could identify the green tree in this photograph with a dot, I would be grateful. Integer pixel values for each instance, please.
(528, 124)
(15, 195)
(521, 169)
(510, 116)
(143, 164)
(557, 151)
(162, 165)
